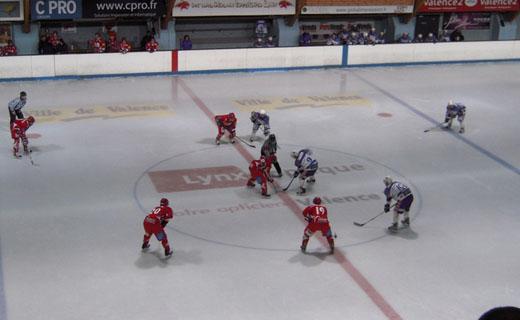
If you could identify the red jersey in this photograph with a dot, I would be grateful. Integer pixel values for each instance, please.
(99, 45)
(113, 45)
(316, 214)
(165, 213)
(153, 223)
(256, 169)
(9, 50)
(152, 46)
(226, 120)
(124, 47)
(19, 127)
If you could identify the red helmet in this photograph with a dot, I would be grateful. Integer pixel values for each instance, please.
(164, 202)
(30, 120)
(231, 115)
(316, 200)
(263, 162)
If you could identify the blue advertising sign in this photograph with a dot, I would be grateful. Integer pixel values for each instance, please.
(56, 9)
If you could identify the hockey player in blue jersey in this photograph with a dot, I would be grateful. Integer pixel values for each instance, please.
(455, 110)
(306, 167)
(399, 192)
(259, 119)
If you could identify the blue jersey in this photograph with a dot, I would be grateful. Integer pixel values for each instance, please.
(396, 191)
(456, 109)
(305, 161)
(260, 119)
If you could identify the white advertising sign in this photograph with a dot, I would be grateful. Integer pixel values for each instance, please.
(205, 8)
(357, 9)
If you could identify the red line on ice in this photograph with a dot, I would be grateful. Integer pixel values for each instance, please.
(343, 261)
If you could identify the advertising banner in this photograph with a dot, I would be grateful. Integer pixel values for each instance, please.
(205, 8)
(55, 9)
(369, 9)
(469, 6)
(11, 10)
(467, 21)
(123, 8)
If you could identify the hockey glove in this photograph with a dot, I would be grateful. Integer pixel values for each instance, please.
(296, 173)
(164, 223)
(387, 207)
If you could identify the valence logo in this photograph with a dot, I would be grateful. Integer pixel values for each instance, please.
(166, 181)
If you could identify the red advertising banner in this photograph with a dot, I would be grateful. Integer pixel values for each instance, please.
(469, 6)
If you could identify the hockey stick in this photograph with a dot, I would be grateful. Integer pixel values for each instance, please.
(285, 189)
(359, 224)
(437, 126)
(245, 142)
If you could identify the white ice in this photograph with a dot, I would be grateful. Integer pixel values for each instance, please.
(71, 225)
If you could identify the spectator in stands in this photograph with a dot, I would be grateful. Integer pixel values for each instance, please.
(261, 30)
(98, 44)
(44, 46)
(419, 38)
(456, 35)
(113, 44)
(53, 40)
(404, 38)
(124, 46)
(9, 49)
(344, 35)
(186, 43)
(445, 36)
(270, 42)
(152, 45)
(259, 43)
(61, 47)
(431, 38)
(305, 39)
(333, 40)
(372, 37)
(381, 38)
(355, 38)
(146, 39)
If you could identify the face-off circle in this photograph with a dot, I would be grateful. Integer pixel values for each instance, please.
(207, 191)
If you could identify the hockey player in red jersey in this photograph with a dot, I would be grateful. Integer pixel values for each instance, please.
(316, 216)
(226, 122)
(154, 224)
(258, 171)
(18, 130)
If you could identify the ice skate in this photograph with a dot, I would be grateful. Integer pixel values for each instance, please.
(393, 227)
(303, 248)
(167, 253)
(331, 251)
(232, 140)
(406, 222)
(145, 246)
(461, 130)
(217, 142)
(301, 191)
(266, 195)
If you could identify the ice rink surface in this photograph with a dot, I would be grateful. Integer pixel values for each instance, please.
(107, 149)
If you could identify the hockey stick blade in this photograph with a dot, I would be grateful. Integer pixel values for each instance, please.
(287, 188)
(244, 142)
(359, 224)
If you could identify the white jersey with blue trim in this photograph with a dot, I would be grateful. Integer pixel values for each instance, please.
(305, 161)
(456, 109)
(396, 191)
(16, 104)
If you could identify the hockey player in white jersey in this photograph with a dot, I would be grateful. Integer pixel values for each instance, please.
(455, 110)
(399, 192)
(306, 167)
(259, 119)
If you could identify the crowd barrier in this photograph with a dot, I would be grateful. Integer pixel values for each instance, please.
(253, 59)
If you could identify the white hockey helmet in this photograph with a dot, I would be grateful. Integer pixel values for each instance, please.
(450, 103)
(262, 111)
(387, 181)
(294, 154)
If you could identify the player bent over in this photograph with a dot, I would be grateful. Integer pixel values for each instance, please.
(226, 122)
(18, 129)
(306, 167)
(259, 173)
(259, 119)
(154, 224)
(317, 219)
(403, 196)
(455, 110)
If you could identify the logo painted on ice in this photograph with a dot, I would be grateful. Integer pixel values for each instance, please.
(198, 179)
(284, 4)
